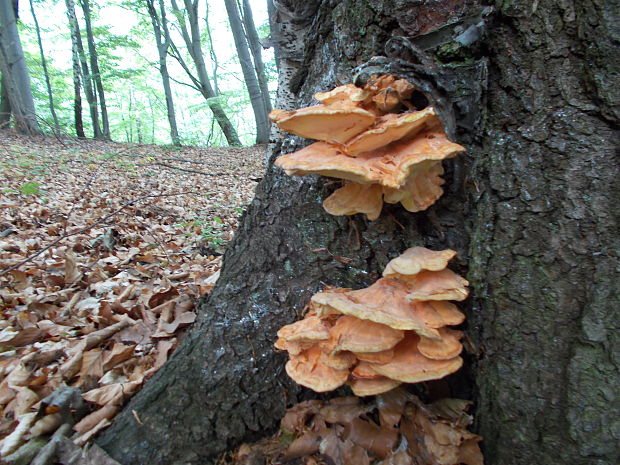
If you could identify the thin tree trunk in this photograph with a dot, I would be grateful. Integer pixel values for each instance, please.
(5, 103)
(94, 66)
(91, 97)
(15, 72)
(77, 106)
(249, 75)
(532, 210)
(256, 49)
(202, 82)
(45, 72)
(212, 53)
(77, 95)
(162, 38)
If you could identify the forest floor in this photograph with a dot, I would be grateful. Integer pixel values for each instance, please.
(105, 249)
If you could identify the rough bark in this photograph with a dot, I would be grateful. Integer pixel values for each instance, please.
(202, 82)
(48, 84)
(15, 73)
(532, 209)
(162, 39)
(87, 80)
(5, 104)
(544, 246)
(249, 73)
(96, 73)
(256, 49)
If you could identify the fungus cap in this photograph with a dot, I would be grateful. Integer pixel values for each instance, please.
(372, 387)
(410, 366)
(390, 128)
(339, 361)
(311, 328)
(355, 335)
(293, 348)
(436, 285)
(364, 370)
(443, 349)
(416, 259)
(375, 357)
(383, 302)
(323, 122)
(420, 191)
(355, 198)
(392, 166)
(348, 94)
(308, 370)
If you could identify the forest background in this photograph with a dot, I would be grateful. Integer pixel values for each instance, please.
(128, 62)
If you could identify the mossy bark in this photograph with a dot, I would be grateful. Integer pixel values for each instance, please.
(532, 209)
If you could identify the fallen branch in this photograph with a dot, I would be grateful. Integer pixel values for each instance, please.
(188, 171)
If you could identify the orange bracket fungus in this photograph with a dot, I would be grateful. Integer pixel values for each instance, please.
(381, 154)
(394, 331)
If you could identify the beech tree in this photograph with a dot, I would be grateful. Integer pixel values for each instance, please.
(249, 70)
(77, 48)
(163, 41)
(532, 209)
(48, 84)
(200, 80)
(94, 66)
(15, 76)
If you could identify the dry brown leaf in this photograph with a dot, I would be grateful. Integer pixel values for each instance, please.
(84, 438)
(90, 421)
(92, 365)
(118, 354)
(163, 347)
(113, 394)
(72, 271)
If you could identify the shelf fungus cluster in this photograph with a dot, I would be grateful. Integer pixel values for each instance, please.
(395, 331)
(381, 153)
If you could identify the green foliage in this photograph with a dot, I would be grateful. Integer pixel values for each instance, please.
(128, 63)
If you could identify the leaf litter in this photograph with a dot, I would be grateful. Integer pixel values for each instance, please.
(395, 428)
(105, 249)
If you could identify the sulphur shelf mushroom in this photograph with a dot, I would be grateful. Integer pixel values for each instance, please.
(383, 155)
(373, 339)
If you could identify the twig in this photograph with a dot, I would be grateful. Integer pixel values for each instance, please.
(188, 171)
(90, 226)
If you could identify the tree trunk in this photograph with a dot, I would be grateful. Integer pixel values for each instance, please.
(256, 49)
(532, 209)
(15, 72)
(94, 66)
(249, 74)
(87, 79)
(5, 104)
(162, 38)
(202, 81)
(45, 72)
(77, 96)
(214, 60)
